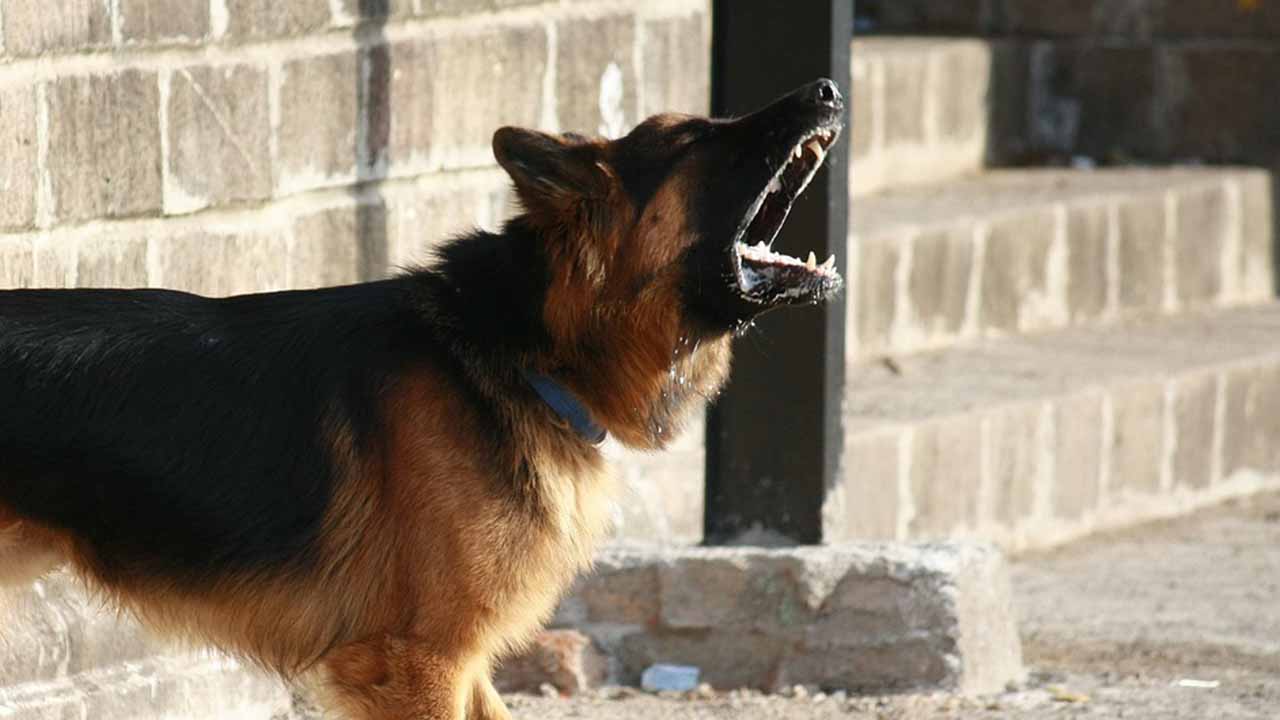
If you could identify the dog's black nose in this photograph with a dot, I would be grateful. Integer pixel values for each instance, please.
(825, 93)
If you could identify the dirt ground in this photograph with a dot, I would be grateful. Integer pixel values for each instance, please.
(1177, 620)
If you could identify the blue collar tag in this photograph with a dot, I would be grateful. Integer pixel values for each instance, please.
(566, 406)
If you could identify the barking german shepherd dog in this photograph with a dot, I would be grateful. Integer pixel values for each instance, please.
(384, 487)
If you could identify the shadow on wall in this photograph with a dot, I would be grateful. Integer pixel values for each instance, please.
(1099, 82)
(373, 123)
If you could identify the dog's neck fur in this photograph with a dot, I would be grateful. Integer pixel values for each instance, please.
(490, 289)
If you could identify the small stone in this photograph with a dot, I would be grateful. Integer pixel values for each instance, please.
(670, 678)
(704, 691)
(548, 690)
(840, 696)
(800, 692)
(819, 698)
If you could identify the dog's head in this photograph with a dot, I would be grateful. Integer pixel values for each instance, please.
(658, 243)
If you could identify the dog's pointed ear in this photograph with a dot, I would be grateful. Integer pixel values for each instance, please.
(548, 171)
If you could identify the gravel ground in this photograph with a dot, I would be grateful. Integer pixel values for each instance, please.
(1177, 620)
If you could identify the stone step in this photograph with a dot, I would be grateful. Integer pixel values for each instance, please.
(63, 654)
(919, 111)
(1034, 440)
(1019, 251)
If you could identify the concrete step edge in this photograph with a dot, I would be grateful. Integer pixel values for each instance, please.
(1017, 252)
(1032, 442)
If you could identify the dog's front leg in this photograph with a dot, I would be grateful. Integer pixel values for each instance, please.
(398, 678)
(486, 704)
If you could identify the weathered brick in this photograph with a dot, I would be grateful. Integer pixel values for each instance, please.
(376, 10)
(1015, 462)
(319, 119)
(219, 137)
(1207, 18)
(955, 16)
(33, 28)
(946, 476)
(1258, 200)
(1195, 405)
(112, 260)
(1087, 231)
(17, 263)
(906, 83)
(1137, 443)
(1115, 87)
(1015, 269)
(453, 92)
(339, 245)
(19, 176)
(1251, 418)
(428, 217)
(677, 66)
(596, 85)
(1077, 423)
(566, 659)
(268, 18)
(1141, 253)
(870, 487)
(1202, 227)
(220, 262)
(1214, 108)
(963, 88)
(104, 145)
(163, 20)
(55, 262)
(941, 267)
(877, 292)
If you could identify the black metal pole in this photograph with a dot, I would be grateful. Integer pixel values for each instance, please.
(775, 434)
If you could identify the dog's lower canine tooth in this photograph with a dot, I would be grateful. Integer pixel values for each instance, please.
(812, 262)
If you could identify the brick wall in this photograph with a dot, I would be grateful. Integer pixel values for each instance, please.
(226, 146)
(1122, 79)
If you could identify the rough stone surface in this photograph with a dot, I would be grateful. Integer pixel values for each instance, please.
(1077, 424)
(908, 76)
(1203, 224)
(219, 137)
(17, 262)
(318, 149)
(1016, 269)
(18, 173)
(1195, 404)
(946, 474)
(1257, 257)
(1087, 284)
(594, 60)
(565, 659)
(1016, 462)
(1252, 416)
(163, 20)
(104, 145)
(877, 293)
(868, 502)
(941, 270)
(864, 617)
(33, 28)
(1137, 445)
(962, 86)
(1142, 246)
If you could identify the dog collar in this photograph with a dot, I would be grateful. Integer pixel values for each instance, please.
(566, 406)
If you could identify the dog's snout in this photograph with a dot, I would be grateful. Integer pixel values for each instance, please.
(825, 93)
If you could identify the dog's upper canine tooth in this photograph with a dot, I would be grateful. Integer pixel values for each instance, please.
(812, 262)
(815, 146)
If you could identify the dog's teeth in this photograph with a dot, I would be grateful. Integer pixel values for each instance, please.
(815, 146)
(830, 264)
(797, 152)
(812, 262)
(774, 185)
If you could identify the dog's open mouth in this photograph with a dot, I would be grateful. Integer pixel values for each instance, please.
(769, 277)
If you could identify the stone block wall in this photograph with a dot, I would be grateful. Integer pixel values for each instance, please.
(229, 146)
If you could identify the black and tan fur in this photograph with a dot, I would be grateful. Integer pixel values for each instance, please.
(357, 483)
